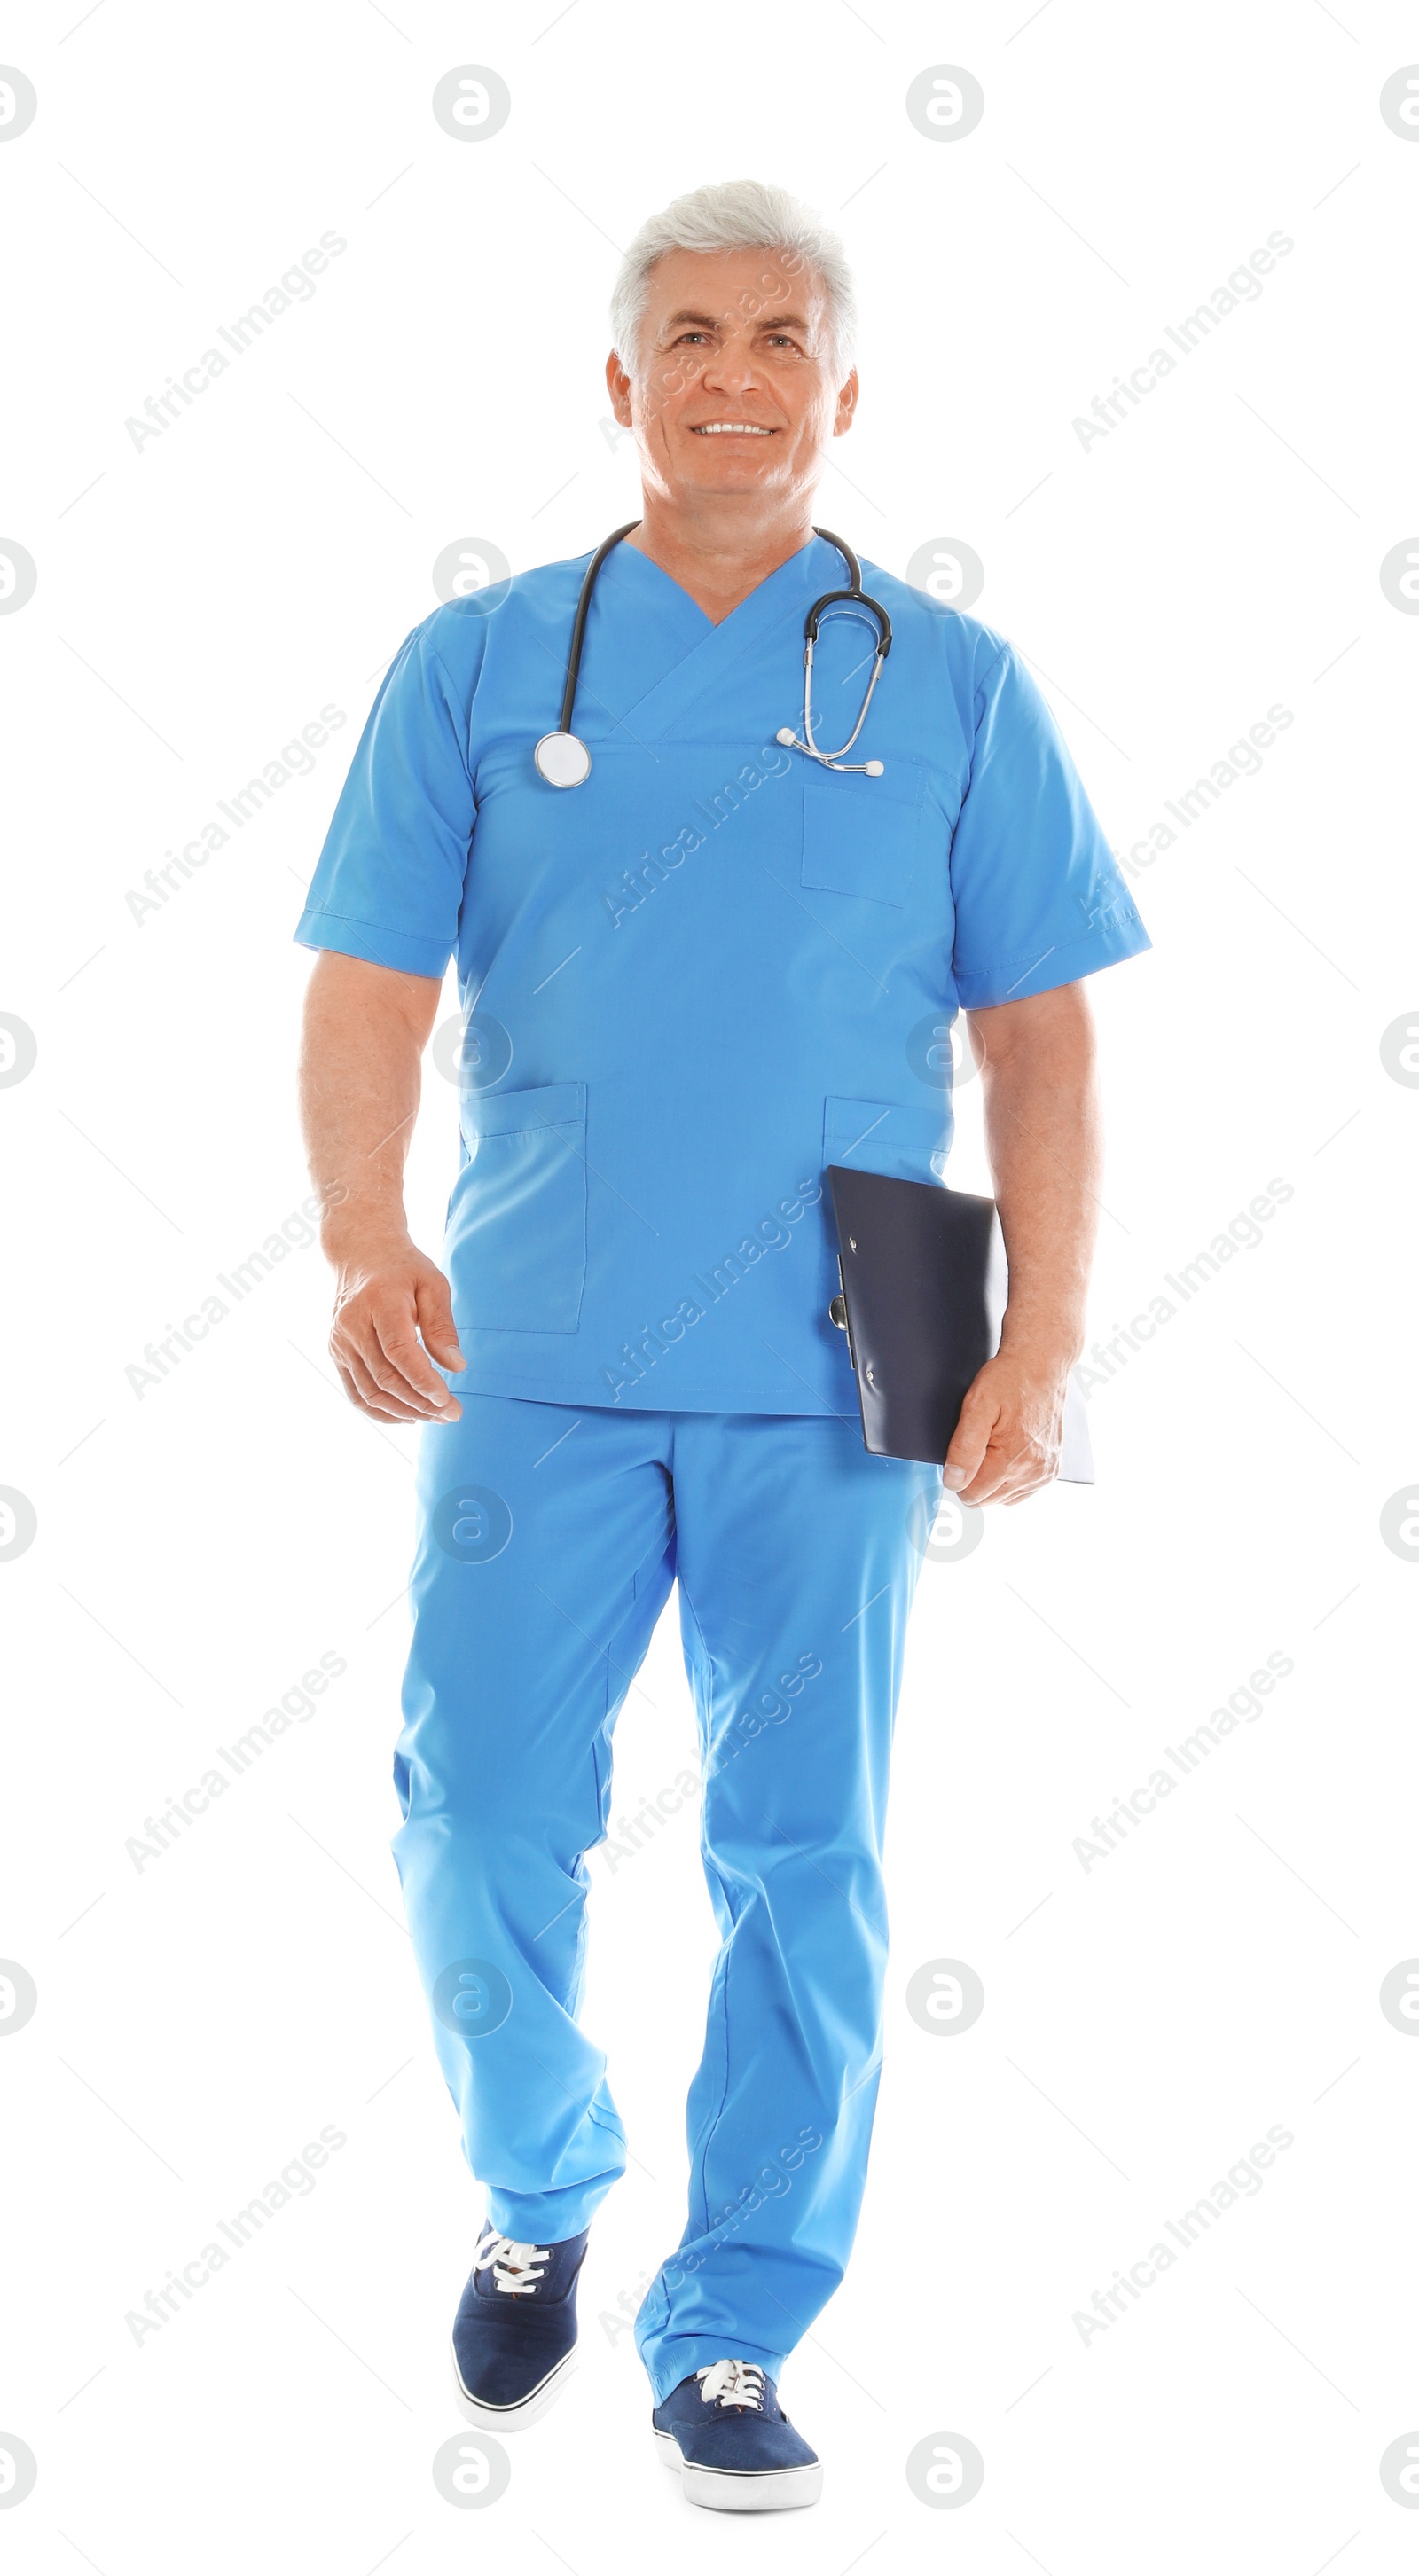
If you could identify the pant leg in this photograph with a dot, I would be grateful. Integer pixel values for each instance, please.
(796, 1568)
(545, 1555)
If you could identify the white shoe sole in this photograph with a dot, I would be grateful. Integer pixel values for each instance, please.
(511, 2419)
(741, 2490)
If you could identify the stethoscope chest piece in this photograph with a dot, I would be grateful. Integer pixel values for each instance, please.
(562, 759)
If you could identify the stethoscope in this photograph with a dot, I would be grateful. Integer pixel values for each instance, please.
(562, 757)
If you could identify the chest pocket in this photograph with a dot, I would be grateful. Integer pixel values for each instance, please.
(517, 1219)
(862, 836)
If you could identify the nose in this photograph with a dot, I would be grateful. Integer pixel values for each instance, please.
(732, 369)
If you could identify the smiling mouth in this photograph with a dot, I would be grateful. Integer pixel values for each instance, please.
(732, 429)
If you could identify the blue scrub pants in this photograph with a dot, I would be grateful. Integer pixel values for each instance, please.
(549, 1538)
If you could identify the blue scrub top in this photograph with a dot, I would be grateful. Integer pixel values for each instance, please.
(715, 968)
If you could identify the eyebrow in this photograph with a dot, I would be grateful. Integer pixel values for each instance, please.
(712, 322)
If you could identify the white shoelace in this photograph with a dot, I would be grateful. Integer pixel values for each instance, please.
(731, 2383)
(516, 2267)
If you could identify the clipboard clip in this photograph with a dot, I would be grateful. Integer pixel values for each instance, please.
(837, 1310)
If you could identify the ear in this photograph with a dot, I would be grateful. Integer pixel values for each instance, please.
(618, 386)
(847, 405)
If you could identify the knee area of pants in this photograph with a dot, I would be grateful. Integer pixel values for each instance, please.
(497, 1820)
(847, 1911)
(843, 1871)
(468, 1753)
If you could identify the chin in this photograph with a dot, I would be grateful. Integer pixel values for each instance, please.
(730, 473)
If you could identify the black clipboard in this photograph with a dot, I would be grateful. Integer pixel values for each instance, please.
(923, 1280)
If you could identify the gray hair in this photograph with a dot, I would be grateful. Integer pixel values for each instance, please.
(739, 214)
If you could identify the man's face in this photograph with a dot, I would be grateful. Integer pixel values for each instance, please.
(733, 389)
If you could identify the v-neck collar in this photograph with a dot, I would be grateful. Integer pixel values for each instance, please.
(637, 554)
(777, 600)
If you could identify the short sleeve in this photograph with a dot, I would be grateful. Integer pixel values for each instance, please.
(1038, 894)
(389, 882)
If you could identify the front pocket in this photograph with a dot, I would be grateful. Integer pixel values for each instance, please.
(517, 1222)
(907, 1143)
(862, 835)
(910, 1144)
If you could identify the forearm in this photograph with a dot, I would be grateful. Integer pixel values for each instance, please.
(1043, 1136)
(364, 1033)
(366, 1028)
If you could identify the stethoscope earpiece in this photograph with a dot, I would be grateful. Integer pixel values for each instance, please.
(562, 757)
(787, 736)
(856, 603)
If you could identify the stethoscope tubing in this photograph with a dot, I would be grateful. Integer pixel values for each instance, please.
(853, 599)
(583, 608)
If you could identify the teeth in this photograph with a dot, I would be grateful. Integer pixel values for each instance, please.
(739, 428)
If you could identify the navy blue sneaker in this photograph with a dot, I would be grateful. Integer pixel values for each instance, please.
(514, 2337)
(735, 2449)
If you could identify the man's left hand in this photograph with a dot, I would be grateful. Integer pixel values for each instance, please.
(1007, 1442)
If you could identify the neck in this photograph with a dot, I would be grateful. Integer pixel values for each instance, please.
(719, 555)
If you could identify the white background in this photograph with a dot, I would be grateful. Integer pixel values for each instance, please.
(1146, 2020)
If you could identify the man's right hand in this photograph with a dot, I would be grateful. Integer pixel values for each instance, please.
(387, 1296)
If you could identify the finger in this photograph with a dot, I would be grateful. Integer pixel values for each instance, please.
(969, 1441)
(381, 1387)
(1030, 1478)
(994, 1458)
(1004, 1470)
(435, 1311)
(376, 1399)
(1021, 1490)
(399, 1347)
(987, 1486)
(360, 1387)
(397, 1361)
(399, 1370)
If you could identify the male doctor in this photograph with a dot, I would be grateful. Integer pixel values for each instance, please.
(691, 982)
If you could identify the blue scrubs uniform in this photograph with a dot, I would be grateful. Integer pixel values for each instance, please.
(689, 985)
